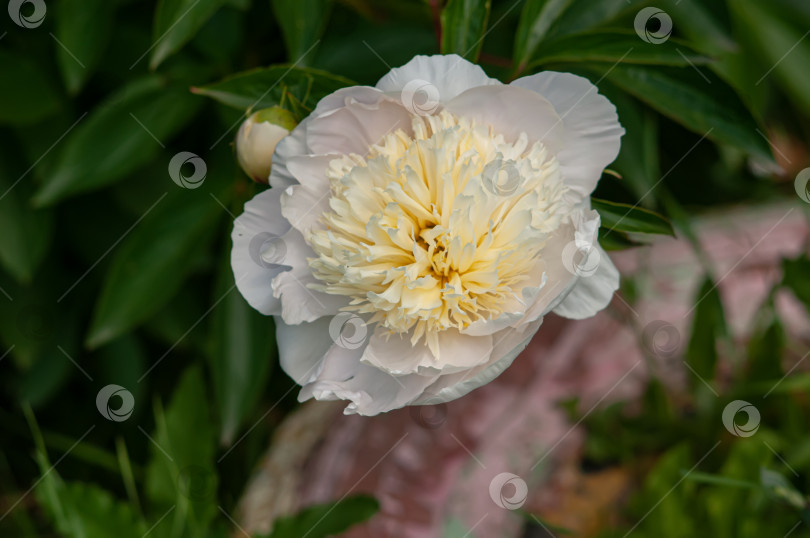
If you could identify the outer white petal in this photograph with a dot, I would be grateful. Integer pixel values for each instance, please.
(449, 74)
(511, 111)
(304, 204)
(508, 345)
(299, 303)
(261, 219)
(301, 348)
(591, 293)
(593, 132)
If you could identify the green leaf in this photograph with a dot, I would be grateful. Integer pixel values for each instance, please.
(795, 277)
(302, 24)
(152, 261)
(26, 233)
(584, 15)
(176, 22)
(181, 468)
(784, 47)
(26, 93)
(765, 352)
(326, 520)
(242, 352)
(627, 218)
(614, 46)
(83, 29)
(113, 140)
(535, 20)
(710, 108)
(708, 327)
(270, 86)
(464, 23)
(615, 240)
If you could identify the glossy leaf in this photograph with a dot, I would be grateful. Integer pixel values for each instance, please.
(301, 88)
(709, 108)
(535, 20)
(302, 24)
(616, 46)
(176, 22)
(27, 94)
(242, 353)
(124, 133)
(152, 260)
(628, 218)
(464, 23)
(82, 29)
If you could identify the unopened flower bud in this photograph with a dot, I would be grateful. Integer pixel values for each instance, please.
(257, 138)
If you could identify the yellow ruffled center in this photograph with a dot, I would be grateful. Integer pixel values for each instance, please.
(440, 228)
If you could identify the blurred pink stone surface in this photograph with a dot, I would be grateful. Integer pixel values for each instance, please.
(431, 467)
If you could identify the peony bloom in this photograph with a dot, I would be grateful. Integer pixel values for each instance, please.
(417, 232)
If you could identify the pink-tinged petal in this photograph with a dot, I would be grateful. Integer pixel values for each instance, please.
(447, 75)
(257, 229)
(511, 110)
(592, 129)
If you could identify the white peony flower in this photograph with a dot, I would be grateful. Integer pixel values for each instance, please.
(417, 232)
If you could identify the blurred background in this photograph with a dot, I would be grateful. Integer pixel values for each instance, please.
(141, 395)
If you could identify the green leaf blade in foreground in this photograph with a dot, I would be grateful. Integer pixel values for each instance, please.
(707, 107)
(266, 87)
(242, 353)
(119, 136)
(464, 23)
(302, 24)
(616, 46)
(795, 277)
(26, 92)
(632, 219)
(176, 22)
(326, 520)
